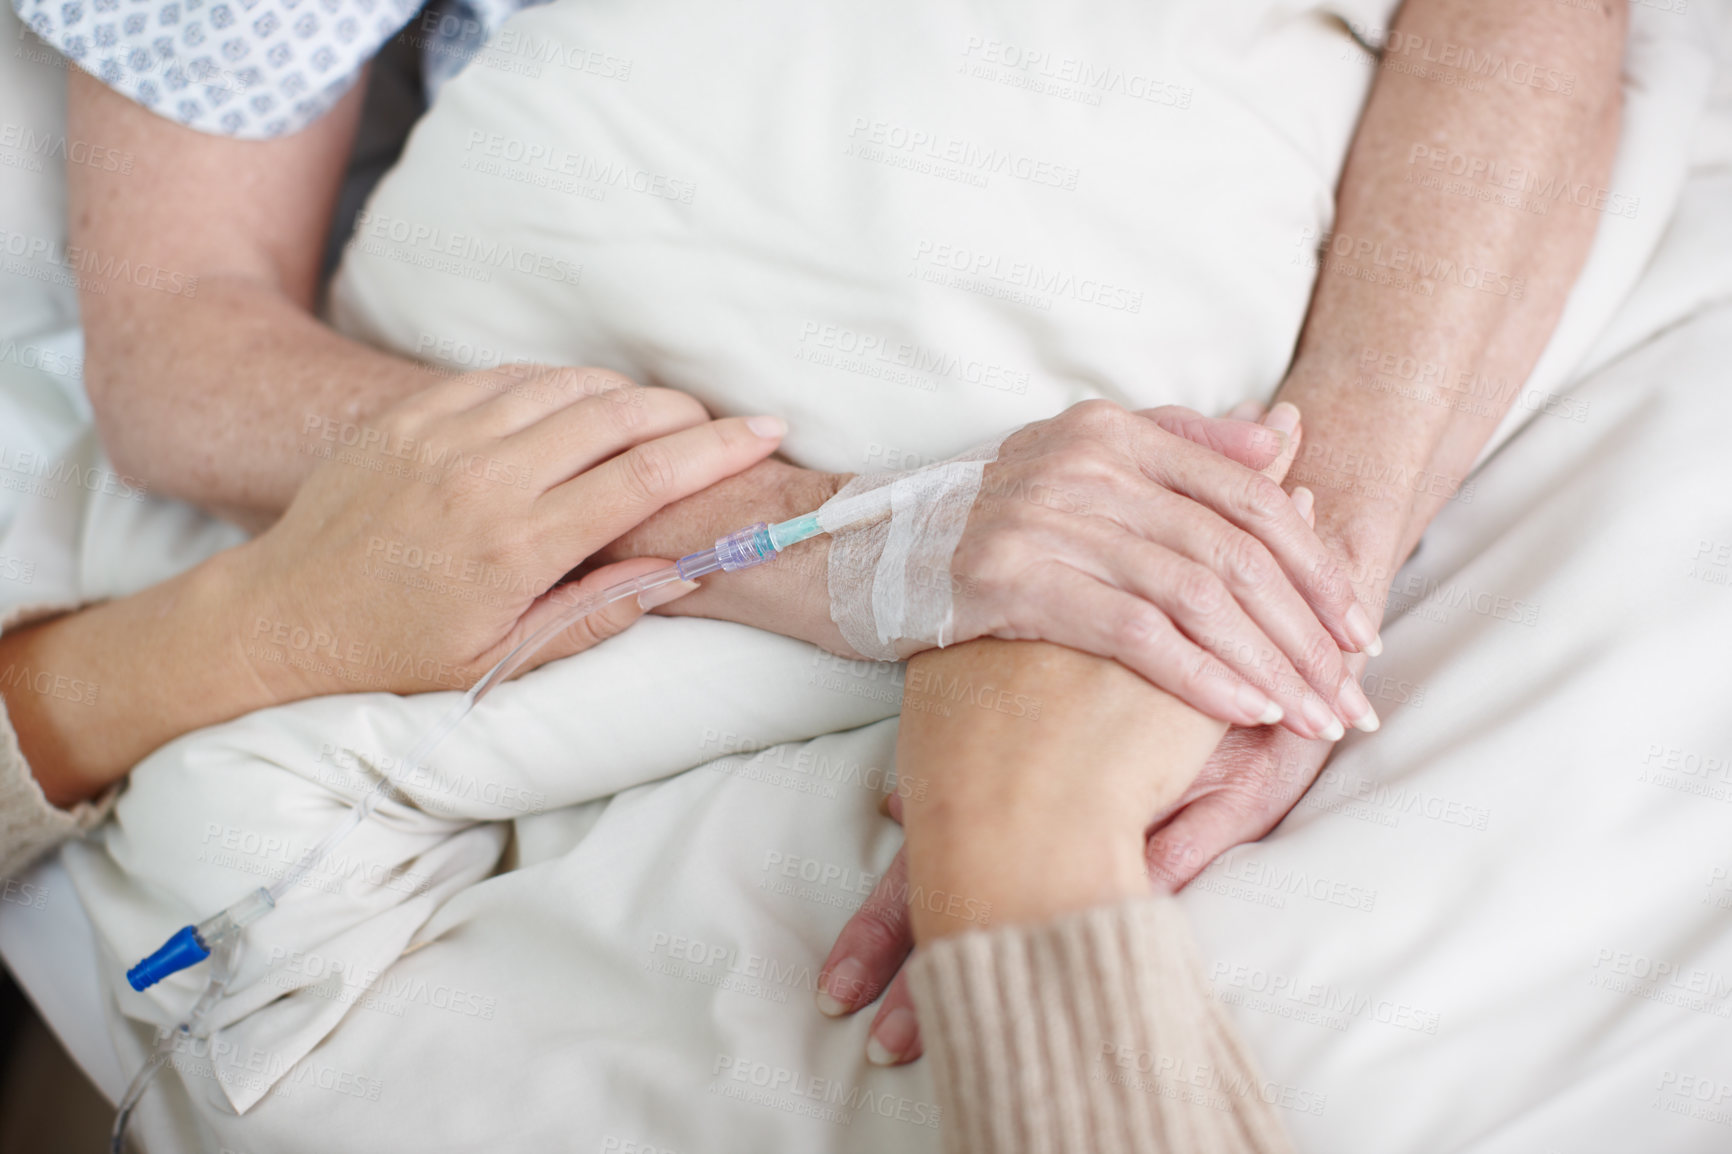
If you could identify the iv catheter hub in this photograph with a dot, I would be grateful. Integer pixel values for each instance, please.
(178, 953)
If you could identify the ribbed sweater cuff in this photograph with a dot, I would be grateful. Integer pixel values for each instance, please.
(1092, 1034)
(29, 825)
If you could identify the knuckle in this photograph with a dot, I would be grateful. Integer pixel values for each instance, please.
(1140, 628)
(1085, 464)
(1094, 416)
(590, 631)
(1245, 560)
(650, 471)
(1198, 592)
(1321, 660)
(1332, 587)
(877, 929)
(1179, 421)
(1259, 499)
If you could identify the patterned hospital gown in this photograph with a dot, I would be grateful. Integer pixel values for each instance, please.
(252, 69)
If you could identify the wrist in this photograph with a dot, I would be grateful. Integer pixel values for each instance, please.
(248, 631)
(790, 595)
(970, 876)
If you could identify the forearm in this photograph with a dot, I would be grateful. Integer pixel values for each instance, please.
(91, 693)
(205, 365)
(790, 595)
(1042, 812)
(221, 398)
(1431, 308)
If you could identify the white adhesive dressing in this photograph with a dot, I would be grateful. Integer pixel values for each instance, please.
(890, 583)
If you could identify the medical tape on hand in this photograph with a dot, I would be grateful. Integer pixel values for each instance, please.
(890, 586)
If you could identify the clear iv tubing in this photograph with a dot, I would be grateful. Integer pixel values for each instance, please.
(219, 938)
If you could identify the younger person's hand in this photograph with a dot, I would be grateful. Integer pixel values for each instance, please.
(425, 546)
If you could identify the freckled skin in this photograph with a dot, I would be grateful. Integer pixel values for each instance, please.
(1011, 808)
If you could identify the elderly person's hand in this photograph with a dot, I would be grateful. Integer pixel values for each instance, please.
(1247, 784)
(1151, 538)
(1167, 545)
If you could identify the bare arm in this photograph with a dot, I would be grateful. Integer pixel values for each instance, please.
(205, 393)
(1382, 461)
(326, 600)
(1384, 454)
(207, 380)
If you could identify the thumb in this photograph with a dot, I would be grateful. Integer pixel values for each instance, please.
(608, 621)
(1284, 419)
(1252, 444)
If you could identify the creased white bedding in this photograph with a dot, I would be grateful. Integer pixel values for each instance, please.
(1456, 942)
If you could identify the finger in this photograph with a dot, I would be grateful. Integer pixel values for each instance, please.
(1108, 622)
(567, 439)
(1207, 594)
(510, 400)
(1260, 507)
(1246, 411)
(1257, 584)
(461, 393)
(1213, 824)
(609, 621)
(576, 518)
(1284, 419)
(872, 946)
(894, 1039)
(1248, 443)
(1197, 835)
(1276, 607)
(1225, 592)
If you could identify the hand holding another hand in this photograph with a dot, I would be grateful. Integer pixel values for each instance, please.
(1162, 539)
(424, 547)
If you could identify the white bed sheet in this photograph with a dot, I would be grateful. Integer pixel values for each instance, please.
(38, 947)
(51, 951)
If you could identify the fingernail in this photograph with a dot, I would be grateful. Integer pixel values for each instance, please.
(892, 1037)
(1356, 707)
(1304, 500)
(1362, 632)
(768, 428)
(1323, 720)
(662, 594)
(1283, 418)
(1255, 703)
(840, 991)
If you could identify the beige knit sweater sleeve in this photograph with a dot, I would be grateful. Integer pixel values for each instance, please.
(29, 826)
(1092, 1034)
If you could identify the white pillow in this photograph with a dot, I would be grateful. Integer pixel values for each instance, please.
(905, 226)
